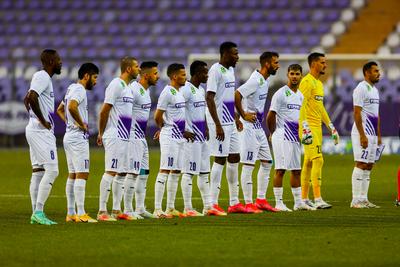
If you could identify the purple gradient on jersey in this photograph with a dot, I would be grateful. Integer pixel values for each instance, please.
(293, 128)
(374, 121)
(51, 118)
(231, 108)
(260, 116)
(126, 123)
(199, 128)
(181, 126)
(142, 125)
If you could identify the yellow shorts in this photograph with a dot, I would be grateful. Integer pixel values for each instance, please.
(315, 149)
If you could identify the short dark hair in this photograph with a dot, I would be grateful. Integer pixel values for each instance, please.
(295, 67)
(226, 46)
(126, 62)
(174, 68)
(368, 66)
(87, 68)
(196, 66)
(314, 57)
(148, 65)
(267, 56)
(47, 55)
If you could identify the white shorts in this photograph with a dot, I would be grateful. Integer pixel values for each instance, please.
(196, 158)
(367, 155)
(253, 146)
(116, 155)
(138, 152)
(287, 155)
(230, 145)
(171, 153)
(42, 147)
(77, 154)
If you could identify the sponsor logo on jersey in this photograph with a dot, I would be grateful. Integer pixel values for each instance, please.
(374, 101)
(319, 98)
(180, 105)
(146, 106)
(199, 104)
(230, 85)
(293, 106)
(127, 99)
(262, 96)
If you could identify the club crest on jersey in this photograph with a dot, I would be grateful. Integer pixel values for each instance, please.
(261, 81)
(288, 93)
(173, 91)
(319, 98)
(122, 84)
(193, 90)
(141, 91)
(223, 70)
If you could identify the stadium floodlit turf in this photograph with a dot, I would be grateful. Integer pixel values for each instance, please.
(337, 237)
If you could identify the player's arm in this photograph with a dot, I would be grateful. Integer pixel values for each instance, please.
(379, 131)
(103, 119)
(73, 110)
(247, 116)
(360, 128)
(212, 108)
(158, 118)
(32, 100)
(61, 111)
(271, 121)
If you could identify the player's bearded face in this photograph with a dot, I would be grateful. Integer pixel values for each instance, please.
(153, 77)
(374, 74)
(322, 65)
(134, 70)
(273, 66)
(57, 64)
(181, 77)
(91, 81)
(233, 56)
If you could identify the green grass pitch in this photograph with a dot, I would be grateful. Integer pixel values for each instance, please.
(337, 237)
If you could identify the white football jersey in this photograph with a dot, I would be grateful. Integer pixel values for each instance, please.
(119, 95)
(367, 97)
(42, 85)
(140, 110)
(221, 81)
(173, 103)
(195, 111)
(287, 104)
(254, 93)
(76, 92)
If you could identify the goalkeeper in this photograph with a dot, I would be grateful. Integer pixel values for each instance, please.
(313, 91)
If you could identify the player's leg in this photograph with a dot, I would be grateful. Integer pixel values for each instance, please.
(141, 184)
(278, 190)
(306, 179)
(372, 147)
(69, 186)
(358, 171)
(111, 167)
(36, 177)
(232, 169)
(264, 154)
(220, 152)
(398, 188)
(173, 179)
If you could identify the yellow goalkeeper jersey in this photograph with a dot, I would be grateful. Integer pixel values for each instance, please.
(313, 105)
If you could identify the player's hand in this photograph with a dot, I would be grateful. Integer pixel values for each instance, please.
(250, 117)
(83, 127)
(220, 135)
(239, 125)
(270, 138)
(335, 135)
(46, 125)
(364, 141)
(207, 134)
(306, 137)
(99, 140)
(379, 140)
(189, 136)
(156, 135)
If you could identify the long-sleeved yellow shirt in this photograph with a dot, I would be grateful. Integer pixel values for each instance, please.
(313, 106)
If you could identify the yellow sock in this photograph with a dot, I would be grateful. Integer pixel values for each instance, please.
(305, 178)
(316, 173)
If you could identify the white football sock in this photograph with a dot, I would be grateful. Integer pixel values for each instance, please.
(69, 192)
(105, 188)
(356, 181)
(296, 191)
(247, 183)
(159, 189)
(204, 187)
(365, 184)
(172, 188)
(79, 191)
(118, 191)
(232, 174)
(263, 179)
(129, 191)
(34, 187)
(215, 182)
(186, 185)
(45, 186)
(278, 193)
(140, 195)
